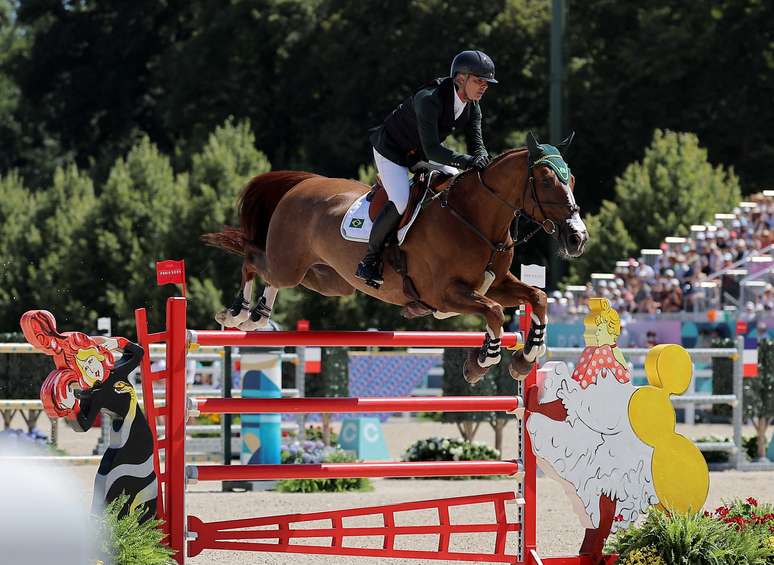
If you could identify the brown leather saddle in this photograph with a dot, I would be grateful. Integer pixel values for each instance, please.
(435, 180)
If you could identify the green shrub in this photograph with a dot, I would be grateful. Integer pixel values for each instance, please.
(739, 533)
(750, 447)
(125, 541)
(327, 485)
(450, 449)
(430, 416)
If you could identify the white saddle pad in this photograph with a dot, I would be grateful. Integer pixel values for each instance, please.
(356, 225)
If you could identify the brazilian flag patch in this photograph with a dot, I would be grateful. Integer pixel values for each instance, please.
(356, 223)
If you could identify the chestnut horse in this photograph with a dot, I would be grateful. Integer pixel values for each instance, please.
(290, 235)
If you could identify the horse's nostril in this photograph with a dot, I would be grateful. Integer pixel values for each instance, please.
(576, 239)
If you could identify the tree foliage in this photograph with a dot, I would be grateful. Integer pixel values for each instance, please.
(609, 241)
(163, 109)
(705, 67)
(759, 394)
(672, 187)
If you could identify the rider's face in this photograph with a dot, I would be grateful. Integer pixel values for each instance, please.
(474, 87)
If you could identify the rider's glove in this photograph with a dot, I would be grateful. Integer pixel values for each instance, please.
(477, 162)
(481, 161)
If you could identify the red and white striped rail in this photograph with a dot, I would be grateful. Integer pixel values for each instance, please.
(189, 535)
(344, 339)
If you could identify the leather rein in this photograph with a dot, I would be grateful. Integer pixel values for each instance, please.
(547, 225)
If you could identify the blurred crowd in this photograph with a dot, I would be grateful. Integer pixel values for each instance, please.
(713, 268)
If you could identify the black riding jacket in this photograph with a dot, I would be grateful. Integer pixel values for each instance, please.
(414, 130)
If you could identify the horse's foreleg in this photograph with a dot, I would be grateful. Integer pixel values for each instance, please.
(512, 292)
(465, 300)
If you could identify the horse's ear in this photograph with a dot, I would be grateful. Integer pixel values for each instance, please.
(567, 140)
(532, 144)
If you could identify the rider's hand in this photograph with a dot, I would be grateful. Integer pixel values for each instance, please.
(69, 400)
(480, 161)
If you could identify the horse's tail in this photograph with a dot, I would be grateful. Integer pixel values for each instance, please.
(231, 239)
(257, 203)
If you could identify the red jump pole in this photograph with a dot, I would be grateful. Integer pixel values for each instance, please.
(344, 339)
(529, 481)
(347, 405)
(177, 414)
(353, 470)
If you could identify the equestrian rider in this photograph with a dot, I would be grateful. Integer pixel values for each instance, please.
(413, 132)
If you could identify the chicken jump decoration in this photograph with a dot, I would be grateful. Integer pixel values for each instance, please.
(613, 445)
(88, 379)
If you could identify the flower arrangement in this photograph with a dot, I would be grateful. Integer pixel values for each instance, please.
(740, 533)
(746, 514)
(308, 451)
(312, 452)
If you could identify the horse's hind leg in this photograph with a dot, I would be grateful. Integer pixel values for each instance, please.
(260, 313)
(320, 278)
(239, 311)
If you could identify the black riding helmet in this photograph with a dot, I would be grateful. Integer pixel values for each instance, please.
(475, 63)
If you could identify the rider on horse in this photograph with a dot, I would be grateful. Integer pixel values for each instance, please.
(413, 132)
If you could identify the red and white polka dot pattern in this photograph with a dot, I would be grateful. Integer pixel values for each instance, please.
(593, 361)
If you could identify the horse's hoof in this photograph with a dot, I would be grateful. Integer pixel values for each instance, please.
(243, 315)
(226, 319)
(486, 361)
(251, 326)
(222, 317)
(471, 370)
(519, 367)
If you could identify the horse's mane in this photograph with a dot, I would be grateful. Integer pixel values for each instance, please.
(507, 153)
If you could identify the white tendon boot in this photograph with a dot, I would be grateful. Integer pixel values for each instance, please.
(239, 311)
(260, 314)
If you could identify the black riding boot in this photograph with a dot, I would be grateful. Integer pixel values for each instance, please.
(370, 268)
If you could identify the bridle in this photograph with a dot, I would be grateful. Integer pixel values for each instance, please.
(547, 225)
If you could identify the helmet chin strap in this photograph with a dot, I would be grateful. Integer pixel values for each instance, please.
(463, 94)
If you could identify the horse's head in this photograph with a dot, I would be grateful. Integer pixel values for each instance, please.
(549, 198)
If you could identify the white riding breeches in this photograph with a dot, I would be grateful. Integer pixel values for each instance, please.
(395, 179)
